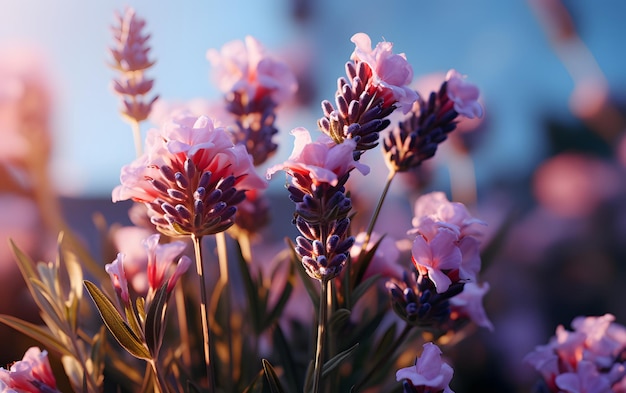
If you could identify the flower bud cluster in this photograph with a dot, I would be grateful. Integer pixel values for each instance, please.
(375, 87)
(416, 138)
(130, 56)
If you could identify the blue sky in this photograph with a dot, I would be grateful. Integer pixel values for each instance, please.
(500, 45)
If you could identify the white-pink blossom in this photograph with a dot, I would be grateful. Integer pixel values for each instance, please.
(470, 303)
(323, 161)
(32, 374)
(118, 277)
(391, 73)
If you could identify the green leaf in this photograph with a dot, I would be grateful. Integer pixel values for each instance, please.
(252, 292)
(336, 360)
(155, 318)
(116, 325)
(338, 320)
(252, 387)
(47, 304)
(386, 340)
(38, 333)
(362, 263)
(275, 313)
(284, 352)
(271, 377)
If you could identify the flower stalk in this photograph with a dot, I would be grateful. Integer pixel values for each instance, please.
(321, 336)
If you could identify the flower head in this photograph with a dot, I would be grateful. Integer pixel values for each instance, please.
(391, 73)
(469, 304)
(244, 67)
(429, 371)
(322, 161)
(32, 374)
(191, 177)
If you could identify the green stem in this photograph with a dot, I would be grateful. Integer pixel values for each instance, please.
(206, 329)
(385, 358)
(321, 335)
(222, 256)
(136, 137)
(161, 385)
(181, 314)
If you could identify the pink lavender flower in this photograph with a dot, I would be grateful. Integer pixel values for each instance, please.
(245, 67)
(429, 374)
(191, 177)
(464, 95)
(434, 115)
(385, 258)
(118, 277)
(160, 260)
(446, 246)
(322, 161)
(391, 73)
(588, 358)
(319, 171)
(32, 374)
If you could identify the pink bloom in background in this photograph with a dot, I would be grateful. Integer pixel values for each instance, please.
(391, 73)
(32, 374)
(429, 371)
(587, 359)
(385, 258)
(446, 246)
(191, 176)
(161, 258)
(469, 303)
(244, 66)
(118, 277)
(323, 161)
(464, 95)
(163, 111)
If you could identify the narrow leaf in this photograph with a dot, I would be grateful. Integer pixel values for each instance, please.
(275, 313)
(336, 360)
(154, 319)
(252, 291)
(271, 377)
(116, 325)
(36, 332)
(338, 320)
(306, 279)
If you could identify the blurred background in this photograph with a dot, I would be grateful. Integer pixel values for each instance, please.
(545, 167)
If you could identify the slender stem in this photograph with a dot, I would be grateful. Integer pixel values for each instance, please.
(160, 385)
(321, 335)
(385, 358)
(136, 137)
(381, 200)
(181, 313)
(222, 255)
(206, 329)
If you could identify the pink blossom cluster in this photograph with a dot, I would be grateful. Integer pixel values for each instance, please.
(589, 359)
(446, 247)
(245, 67)
(185, 162)
(32, 374)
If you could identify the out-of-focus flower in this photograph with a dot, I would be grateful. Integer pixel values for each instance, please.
(191, 177)
(130, 54)
(25, 107)
(244, 67)
(391, 73)
(385, 258)
(430, 373)
(118, 277)
(574, 185)
(32, 374)
(464, 95)
(588, 359)
(128, 241)
(469, 304)
(322, 161)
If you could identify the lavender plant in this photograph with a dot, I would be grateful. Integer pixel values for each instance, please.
(195, 186)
